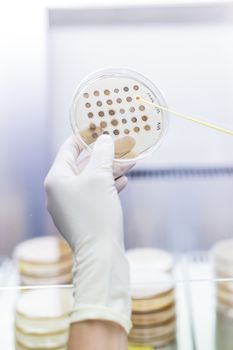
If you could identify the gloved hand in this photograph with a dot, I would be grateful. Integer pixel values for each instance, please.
(86, 209)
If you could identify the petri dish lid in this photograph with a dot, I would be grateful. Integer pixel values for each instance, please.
(148, 282)
(106, 103)
(45, 303)
(149, 257)
(43, 250)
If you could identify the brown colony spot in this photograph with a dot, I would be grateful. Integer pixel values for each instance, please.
(99, 103)
(126, 88)
(96, 93)
(134, 119)
(124, 121)
(101, 113)
(114, 122)
(136, 129)
(111, 112)
(103, 125)
(86, 95)
(90, 115)
(106, 92)
(116, 132)
(144, 118)
(128, 99)
(106, 132)
(147, 127)
(132, 109)
(116, 91)
(119, 100)
(92, 126)
(126, 131)
(94, 135)
(88, 105)
(142, 108)
(122, 111)
(136, 87)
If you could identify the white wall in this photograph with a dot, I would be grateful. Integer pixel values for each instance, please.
(23, 121)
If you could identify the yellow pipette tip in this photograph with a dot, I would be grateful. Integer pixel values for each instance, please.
(187, 117)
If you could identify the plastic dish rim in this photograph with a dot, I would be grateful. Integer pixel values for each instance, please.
(117, 71)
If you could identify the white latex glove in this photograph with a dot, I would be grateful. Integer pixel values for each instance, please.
(86, 209)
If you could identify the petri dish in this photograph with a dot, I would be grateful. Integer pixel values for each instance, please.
(42, 319)
(44, 260)
(157, 259)
(43, 250)
(110, 101)
(153, 307)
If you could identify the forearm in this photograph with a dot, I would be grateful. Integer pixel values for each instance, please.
(101, 313)
(97, 335)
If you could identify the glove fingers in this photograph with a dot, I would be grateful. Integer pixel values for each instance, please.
(120, 169)
(102, 154)
(121, 183)
(65, 162)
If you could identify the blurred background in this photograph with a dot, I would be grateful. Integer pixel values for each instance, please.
(181, 197)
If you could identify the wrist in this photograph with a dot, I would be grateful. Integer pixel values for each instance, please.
(101, 283)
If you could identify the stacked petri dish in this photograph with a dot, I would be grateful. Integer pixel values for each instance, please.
(42, 319)
(153, 298)
(223, 269)
(44, 260)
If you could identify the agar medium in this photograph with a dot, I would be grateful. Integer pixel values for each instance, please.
(143, 319)
(106, 103)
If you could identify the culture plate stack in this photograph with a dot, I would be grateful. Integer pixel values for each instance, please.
(153, 298)
(223, 266)
(43, 261)
(42, 319)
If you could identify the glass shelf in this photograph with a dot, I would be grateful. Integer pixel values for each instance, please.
(199, 324)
